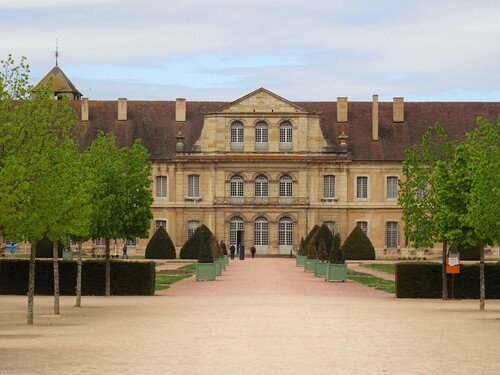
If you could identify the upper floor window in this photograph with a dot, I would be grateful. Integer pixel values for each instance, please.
(237, 186)
(361, 187)
(131, 242)
(261, 186)
(363, 225)
(286, 186)
(392, 187)
(237, 135)
(193, 186)
(161, 186)
(423, 190)
(329, 186)
(391, 234)
(261, 136)
(286, 136)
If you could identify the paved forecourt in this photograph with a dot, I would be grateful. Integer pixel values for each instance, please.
(262, 316)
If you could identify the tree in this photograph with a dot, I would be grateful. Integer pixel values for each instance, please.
(417, 196)
(122, 194)
(336, 254)
(358, 246)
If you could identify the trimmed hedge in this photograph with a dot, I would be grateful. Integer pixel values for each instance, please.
(303, 244)
(127, 278)
(423, 280)
(160, 246)
(358, 246)
(44, 249)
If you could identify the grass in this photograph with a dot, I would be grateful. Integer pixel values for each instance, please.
(163, 281)
(387, 268)
(374, 282)
(191, 267)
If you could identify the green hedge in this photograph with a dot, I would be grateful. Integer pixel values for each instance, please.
(127, 278)
(423, 280)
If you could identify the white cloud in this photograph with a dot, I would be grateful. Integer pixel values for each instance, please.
(306, 50)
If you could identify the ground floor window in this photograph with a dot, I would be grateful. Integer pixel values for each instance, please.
(261, 232)
(192, 226)
(285, 232)
(236, 231)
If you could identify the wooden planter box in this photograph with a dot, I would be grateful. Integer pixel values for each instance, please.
(300, 260)
(336, 272)
(320, 269)
(205, 271)
(309, 266)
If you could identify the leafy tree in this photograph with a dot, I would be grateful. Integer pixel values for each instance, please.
(122, 195)
(358, 246)
(160, 246)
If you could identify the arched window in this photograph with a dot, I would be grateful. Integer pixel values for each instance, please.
(236, 233)
(285, 235)
(237, 135)
(261, 186)
(261, 232)
(286, 187)
(261, 136)
(237, 185)
(286, 135)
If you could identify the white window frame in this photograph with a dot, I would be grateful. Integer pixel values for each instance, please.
(286, 187)
(391, 235)
(161, 187)
(391, 191)
(193, 186)
(159, 223)
(192, 225)
(261, 187)
(261, 136)
(285, 232)
(131, 242)
(363, 225)
(329, 186)
(237, 187)
(286, 136)
(331, 225)
(261, 232)
(362, 187)
(237, 135)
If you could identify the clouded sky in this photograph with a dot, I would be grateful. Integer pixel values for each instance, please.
(312, 50)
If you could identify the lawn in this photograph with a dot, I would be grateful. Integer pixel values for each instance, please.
(387, 268)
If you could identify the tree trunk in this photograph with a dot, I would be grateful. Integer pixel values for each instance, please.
(56, 276)
(445, 276)
(482, 288)
(79, 277)
(108, 270)
(31, 284)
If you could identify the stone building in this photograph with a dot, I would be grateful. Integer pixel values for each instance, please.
(263, 170)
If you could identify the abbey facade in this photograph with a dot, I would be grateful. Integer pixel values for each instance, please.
(263, 170)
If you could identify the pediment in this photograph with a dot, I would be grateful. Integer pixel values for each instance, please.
(260, 101)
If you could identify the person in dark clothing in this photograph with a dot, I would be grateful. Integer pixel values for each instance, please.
(252, 250)
(241, 249)
(232, 250)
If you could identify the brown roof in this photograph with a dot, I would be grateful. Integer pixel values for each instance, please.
(154, 123)
(60, 83)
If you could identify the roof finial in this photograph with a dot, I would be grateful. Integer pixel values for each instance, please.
(56, 53)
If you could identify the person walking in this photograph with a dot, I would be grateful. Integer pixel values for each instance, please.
(13, 249)
(232, 250)
(252, 251)
(124, 251)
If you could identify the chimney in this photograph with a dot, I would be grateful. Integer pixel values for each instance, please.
(342, 109)
(85, 109)
(398, 109)
(122, 109)
(180, 109)
(375, 118)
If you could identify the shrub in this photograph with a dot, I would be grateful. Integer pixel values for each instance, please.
(358, 246)
(336, 253)
(44, 249)
(205, 252)
(321, 235)
(468, 253)
(223, 247)
(303, 244)
(191, 248)
(160, 246)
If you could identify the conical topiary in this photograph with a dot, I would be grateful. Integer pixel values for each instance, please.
(303, 250)
(323, 234)
(190, 249)
(223, 247)
(44, 248)
(205, 249)
(358, 246)
(336, 254)
(160, 246)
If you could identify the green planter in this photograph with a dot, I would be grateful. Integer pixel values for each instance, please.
(226, 261)
(336, 272)
(205, 271)
(309, 266)
(218, 267)
(320, 269)
(300, 260)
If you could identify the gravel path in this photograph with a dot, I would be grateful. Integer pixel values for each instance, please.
(262, 316)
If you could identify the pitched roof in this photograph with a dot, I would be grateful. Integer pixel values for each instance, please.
(154, 123)
(60, 83)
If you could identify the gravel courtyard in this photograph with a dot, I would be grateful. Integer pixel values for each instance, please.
(262, 316)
